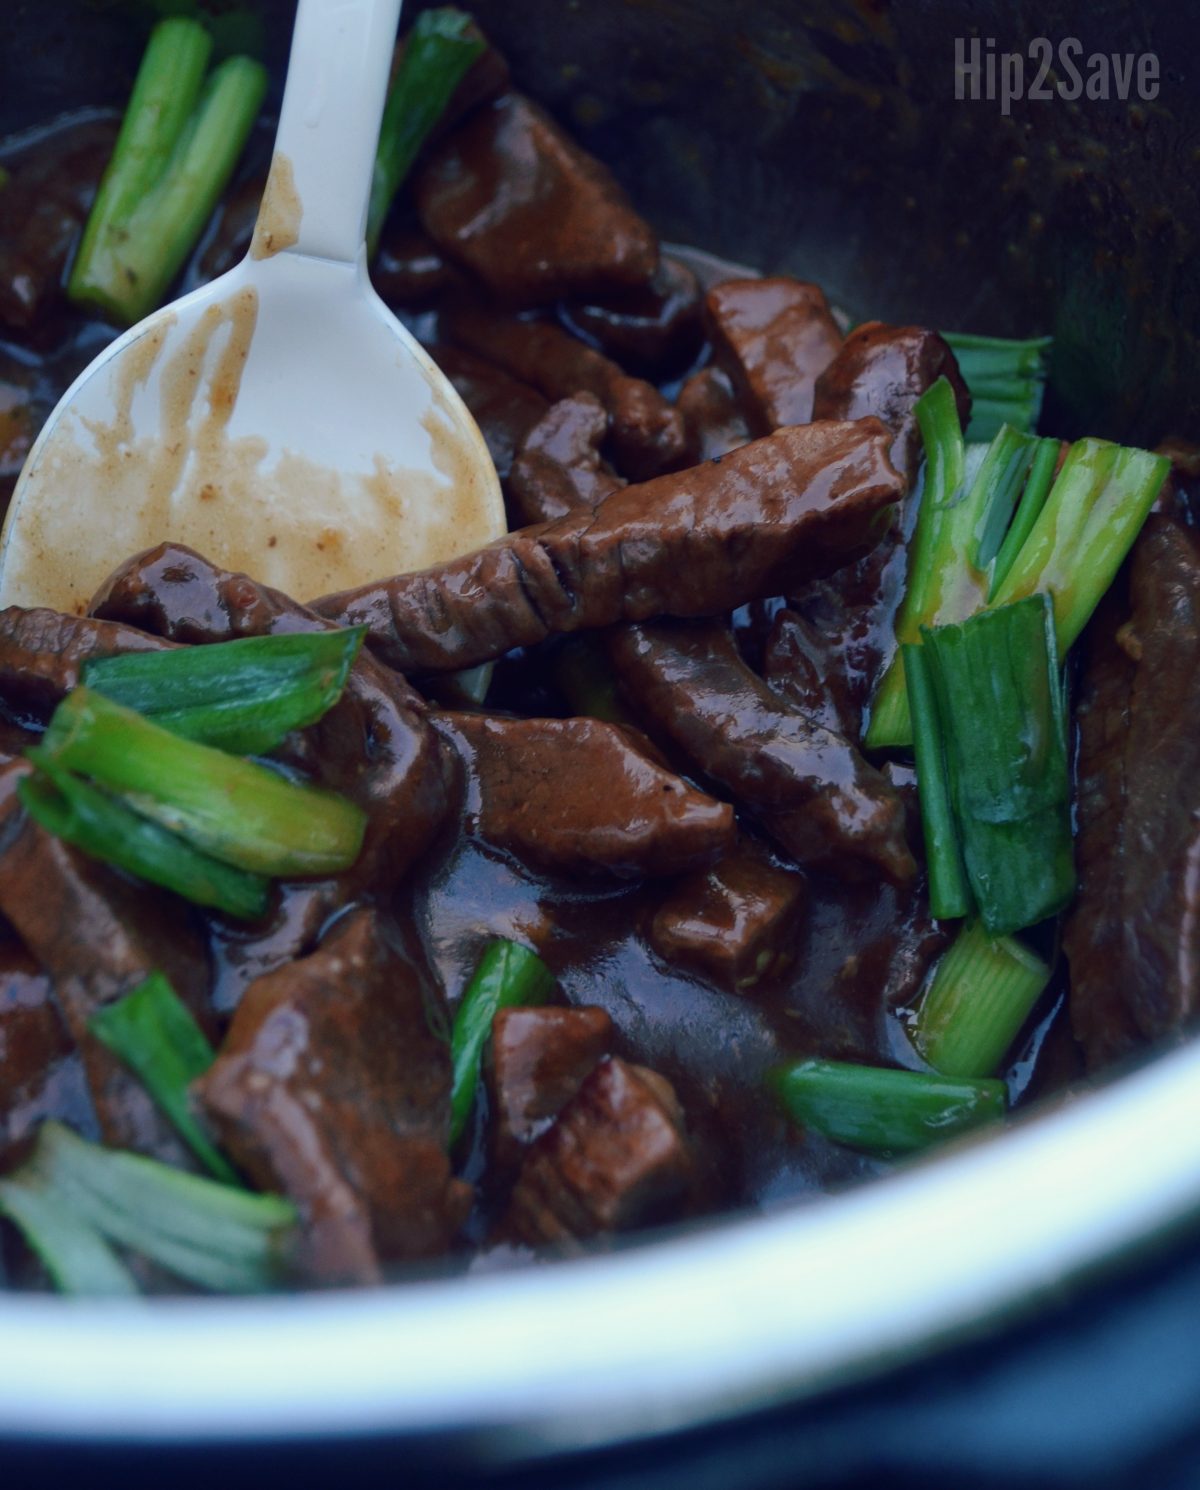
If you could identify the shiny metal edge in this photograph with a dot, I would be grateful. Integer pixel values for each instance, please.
(682, 1330)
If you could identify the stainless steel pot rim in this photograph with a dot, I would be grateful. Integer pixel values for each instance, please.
(680, 1330)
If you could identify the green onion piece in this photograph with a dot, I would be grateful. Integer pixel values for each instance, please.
(949, 892)
(1002, 715)
(1095, 510)
(155, 1034)
(508, 974)
(107, 829)
(437, 53)
(1033, 499)
(179, 142)
(75, 1255)
(882, 1110)
(982, 992)
(586, 681)
(213, 1235)
(239, 812)
(241, 696)
(1006, 378)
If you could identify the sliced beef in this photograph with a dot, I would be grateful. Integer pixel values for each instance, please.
(97, 935)
(774, 338)
(539, 1060)
(617, 1158)
(580, 796)
(803, 665)
(1133, 937)
(654, 331)
(786, 508)
(646, 430)
(509, 196)
(409, 269)
(736, 924)
(42, 654)
(41, 1075)
(712, 415)
(504, 409)
(332, 1087)
(560, 468)
(809, 788)
(42, 211)
(375, 744)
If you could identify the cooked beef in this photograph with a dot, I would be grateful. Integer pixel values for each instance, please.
(774, 338)
(409, 269)
(654, 331)
(804, 666)
(508, 195)
(42, 210)
(646, 430)
(883, 370)
(504, 409)
(332, 1087)
(713, 417)
(1133, 937)
(375, 744)
(41, 1075)
(97, 935)
(235, 218)
(618, 1157)
(42, 654)
(559, 467)
(539, 1060)
(580, 796)
(736, 924)
(781, 510)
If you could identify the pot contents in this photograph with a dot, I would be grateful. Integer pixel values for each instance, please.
(810, 775)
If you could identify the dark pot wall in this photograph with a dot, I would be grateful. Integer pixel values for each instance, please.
(825, 139)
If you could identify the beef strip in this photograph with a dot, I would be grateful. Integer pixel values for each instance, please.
(504, 408)
(646, 431)
(409, 269)
(509, 196)
(654, 331)
(539, 1060)
(97, 935)
(580, 796)
(41, 1075)
(736, 924)
(559, 468)
(332, 1088)
(792, 506)
(1133, 937)
(802, 665)
(616, 1158)
(774, 338)
(42, 210)
(712, 415)
(42, 654)
(809, 788)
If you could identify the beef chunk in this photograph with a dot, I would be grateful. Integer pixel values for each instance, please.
(540, 1058)
(774, 338)
(560, 468)
(409, 269)
(504, 409)
(332, 1088)
(646, 430)
(712, 415)
(579, 795)
(617, 1158)
(42, 654)
(1133, 937)
(41, 1075)
(804, 666)
(883, 370)
(781, 510)
(523, 207)
(809, 787)
(654, 331)
(735, 924)
(42, 210)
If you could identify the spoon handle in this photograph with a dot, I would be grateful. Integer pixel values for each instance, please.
(329, 123)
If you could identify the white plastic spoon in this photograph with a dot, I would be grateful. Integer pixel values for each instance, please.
(280, 419)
